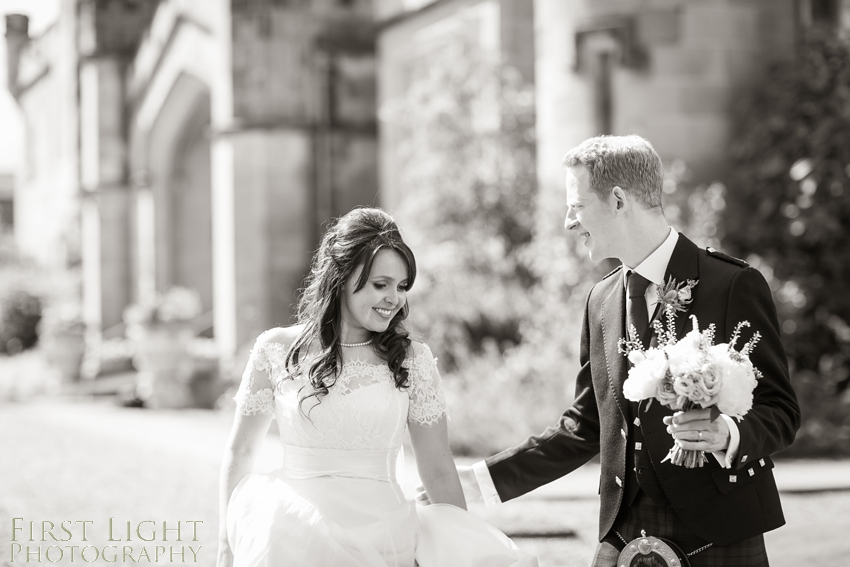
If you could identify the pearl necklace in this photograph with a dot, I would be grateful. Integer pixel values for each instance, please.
(352, 345)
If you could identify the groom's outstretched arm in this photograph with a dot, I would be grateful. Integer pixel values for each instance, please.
(560, 449)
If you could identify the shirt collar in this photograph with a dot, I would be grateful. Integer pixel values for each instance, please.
(654, 266)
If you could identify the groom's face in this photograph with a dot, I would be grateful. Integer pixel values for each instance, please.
(589, 216)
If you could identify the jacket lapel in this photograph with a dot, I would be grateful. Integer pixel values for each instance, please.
(683, 266)
(613, 329)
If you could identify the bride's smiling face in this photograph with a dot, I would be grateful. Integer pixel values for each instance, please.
(371, 308)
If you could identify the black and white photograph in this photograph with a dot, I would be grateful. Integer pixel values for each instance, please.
(425, 283)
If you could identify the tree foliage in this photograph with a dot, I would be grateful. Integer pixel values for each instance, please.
(468, 176)
(789, 215)
(501, 289)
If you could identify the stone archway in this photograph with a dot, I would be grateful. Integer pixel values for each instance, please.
(180, 185)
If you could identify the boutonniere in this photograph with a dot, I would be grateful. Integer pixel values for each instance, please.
(676, 296)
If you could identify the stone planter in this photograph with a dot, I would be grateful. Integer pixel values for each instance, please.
(165, 367)
(65, 351)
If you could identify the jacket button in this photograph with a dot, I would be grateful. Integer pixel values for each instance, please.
(637, 421)
(744, 459)
(761, 462)
(638, 446)
(733, 478)
(751, 471)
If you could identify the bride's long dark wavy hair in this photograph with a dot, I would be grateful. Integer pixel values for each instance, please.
(353, 240)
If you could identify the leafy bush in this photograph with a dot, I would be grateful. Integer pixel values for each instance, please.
(501, 289)
(469, 183)
(789, 212)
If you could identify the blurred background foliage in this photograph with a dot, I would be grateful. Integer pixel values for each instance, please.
(501, 287)
(789, 214)
(34, 306)
(501, 290)
(469, 179)
(22, 292)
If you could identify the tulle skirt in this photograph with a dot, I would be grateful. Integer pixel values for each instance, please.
(346, 509)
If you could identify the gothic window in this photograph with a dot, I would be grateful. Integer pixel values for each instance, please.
(603, 46)
(603, 97)
(819, 12)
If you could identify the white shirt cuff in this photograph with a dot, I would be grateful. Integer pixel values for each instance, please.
(485, 484)
(725, 458)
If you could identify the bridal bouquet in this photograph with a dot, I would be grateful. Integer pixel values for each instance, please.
(690, 372)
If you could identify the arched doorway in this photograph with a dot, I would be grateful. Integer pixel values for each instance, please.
(180, 183)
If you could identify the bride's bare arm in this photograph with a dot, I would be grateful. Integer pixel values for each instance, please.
(245, 441)
(435, 464)
(254, 411)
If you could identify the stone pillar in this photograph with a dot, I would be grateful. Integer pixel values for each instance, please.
(105, 221)
(300, 149)
(844, 17)
(224, 251)
(263, 230)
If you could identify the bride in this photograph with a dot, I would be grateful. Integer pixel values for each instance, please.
(344, 385)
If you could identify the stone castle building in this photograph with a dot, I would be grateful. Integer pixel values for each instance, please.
(196, 143)
(205, 142)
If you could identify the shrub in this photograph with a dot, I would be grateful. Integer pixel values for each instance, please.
(789, 212)
(501, 288)
(20, 313)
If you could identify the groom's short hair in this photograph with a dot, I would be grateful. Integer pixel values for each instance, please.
(629, 162)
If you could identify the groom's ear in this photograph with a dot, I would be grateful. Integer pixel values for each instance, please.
(620, 202)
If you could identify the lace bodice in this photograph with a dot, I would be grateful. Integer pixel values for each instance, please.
(363, 409)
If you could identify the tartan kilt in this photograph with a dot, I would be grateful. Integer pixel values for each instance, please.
(644, 514)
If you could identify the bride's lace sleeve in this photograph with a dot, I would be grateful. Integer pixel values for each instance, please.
(256, 392)
(427, 400)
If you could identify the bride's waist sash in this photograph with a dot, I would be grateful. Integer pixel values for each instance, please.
(301, 463)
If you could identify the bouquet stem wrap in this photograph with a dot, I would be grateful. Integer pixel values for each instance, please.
(684, 457)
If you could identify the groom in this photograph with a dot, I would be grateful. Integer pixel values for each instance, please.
(717, 513)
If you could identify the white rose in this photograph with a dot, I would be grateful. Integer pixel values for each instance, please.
(685, 294)
(667, 395)
(706, 386)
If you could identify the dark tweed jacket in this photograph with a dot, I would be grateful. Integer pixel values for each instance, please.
(719, 505)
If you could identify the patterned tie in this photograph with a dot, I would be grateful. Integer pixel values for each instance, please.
(638, 315)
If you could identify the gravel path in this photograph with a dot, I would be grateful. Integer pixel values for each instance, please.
(66, 461)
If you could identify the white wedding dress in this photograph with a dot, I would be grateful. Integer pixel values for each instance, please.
(337, 501)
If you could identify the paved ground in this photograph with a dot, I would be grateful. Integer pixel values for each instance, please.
(82, 461)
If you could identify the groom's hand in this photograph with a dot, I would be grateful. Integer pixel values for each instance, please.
(468, 482)
(699, 430)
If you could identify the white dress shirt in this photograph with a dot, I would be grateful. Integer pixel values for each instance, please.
(652, 268)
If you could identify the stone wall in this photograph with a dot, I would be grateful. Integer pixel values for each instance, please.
(303, 140)
(42, 78)
(675, 71)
